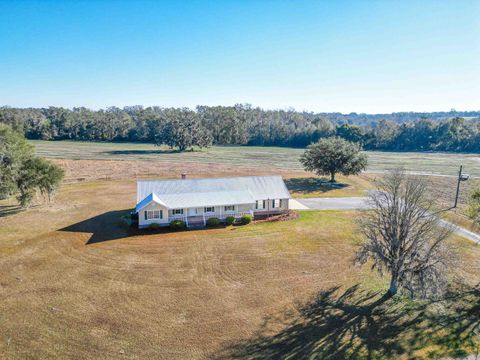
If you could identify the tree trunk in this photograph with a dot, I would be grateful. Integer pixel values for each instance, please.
(332, 177)
(392, 290)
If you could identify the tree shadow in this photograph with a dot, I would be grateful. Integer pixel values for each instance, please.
(312, 184)
(105, 227)
(142, 152)
(461, 315)
(8, 210)
(360, 324)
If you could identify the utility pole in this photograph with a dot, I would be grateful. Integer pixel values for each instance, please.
(461, 177)
(458, 186)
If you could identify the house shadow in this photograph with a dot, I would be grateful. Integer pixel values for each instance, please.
(359, 324)
(312, 184)
(105, 227)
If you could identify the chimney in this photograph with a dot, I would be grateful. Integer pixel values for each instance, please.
(184, 176)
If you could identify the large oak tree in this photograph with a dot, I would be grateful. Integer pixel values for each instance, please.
(334, 155)
(21, 172)
(182, 131)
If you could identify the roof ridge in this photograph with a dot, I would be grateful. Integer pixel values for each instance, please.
(213, 178)
(200, 192)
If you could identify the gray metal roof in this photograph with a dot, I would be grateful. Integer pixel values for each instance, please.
(211, 191)
(148, 200)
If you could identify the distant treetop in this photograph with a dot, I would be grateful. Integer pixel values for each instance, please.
(246, 125)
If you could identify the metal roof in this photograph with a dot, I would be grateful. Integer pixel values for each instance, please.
(210, 191)
(148, 200)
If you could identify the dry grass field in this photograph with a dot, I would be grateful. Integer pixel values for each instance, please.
(284, 159)
(78, 283)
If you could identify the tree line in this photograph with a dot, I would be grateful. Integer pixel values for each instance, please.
(246, 125)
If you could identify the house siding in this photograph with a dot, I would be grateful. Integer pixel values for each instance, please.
(142, 223)
(219, 211)
(280, 205)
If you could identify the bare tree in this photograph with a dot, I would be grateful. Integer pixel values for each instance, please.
(404, 236)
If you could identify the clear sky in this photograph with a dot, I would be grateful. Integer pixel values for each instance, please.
(361, 56)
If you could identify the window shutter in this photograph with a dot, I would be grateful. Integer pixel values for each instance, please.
(161, 214)
(146, 216)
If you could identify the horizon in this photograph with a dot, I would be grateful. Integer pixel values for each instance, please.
(322, 57)
(252, 106)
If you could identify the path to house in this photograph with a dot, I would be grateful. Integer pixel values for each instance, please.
(355, 203)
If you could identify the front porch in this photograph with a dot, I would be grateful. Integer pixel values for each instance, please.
(201, 220)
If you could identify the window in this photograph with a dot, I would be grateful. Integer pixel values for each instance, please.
(273, 203)
(177, 211)
(230, 208)
(153, 214)
(264, 204)
(209, 209)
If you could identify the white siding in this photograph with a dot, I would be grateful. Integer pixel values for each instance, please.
(153, 206)
(280, 205)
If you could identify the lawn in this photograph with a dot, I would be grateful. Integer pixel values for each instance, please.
(77, 283)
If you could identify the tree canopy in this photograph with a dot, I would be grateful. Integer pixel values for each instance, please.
(334, 155)
(246, 125)
(183, 131)
(21, 173)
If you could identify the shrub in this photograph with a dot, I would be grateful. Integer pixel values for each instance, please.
(229, 220)
(177, 225)
(473, 210)
(213, 221)
(127, 219)
(246, 219)
(154, 226)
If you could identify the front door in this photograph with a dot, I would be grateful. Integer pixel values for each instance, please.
(193, 212)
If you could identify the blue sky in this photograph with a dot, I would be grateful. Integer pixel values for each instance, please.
(346, 56)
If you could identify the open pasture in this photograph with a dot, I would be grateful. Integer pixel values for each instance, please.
(285, 159)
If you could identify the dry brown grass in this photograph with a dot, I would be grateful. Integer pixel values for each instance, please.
(443, 190)
(180, 295)
(76, 283)
(301, 183)
(86, 170)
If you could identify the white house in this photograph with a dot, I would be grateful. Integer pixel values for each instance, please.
(196, 200)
